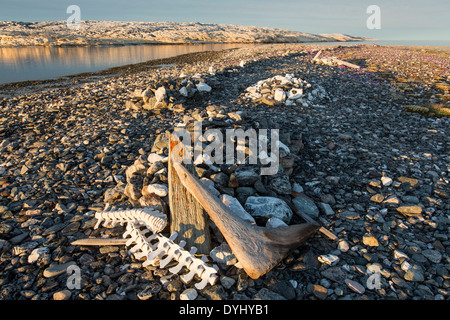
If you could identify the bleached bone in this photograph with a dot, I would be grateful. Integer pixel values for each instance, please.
(161, 250)
(165, 250)
(142, 235)
(196, 268)
(209, 275)
(173, 254)
(185, 259)
(143, 245)
(152, 219)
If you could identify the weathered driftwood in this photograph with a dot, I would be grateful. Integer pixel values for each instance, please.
(317, 55)
(186, 213)
(345, 63)
(99, 242)
(258, 249)
(333, 61)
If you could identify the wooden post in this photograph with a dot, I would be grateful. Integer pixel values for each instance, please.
(345, 63)
(317, 55)
(187, 216)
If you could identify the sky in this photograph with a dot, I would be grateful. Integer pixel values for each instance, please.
(398, 19)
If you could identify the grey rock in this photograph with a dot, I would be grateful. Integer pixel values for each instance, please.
(234, 205)
(268, 207)
(57, 269)
(336, 274)
(355, 286)
(325, 208)
(282, 287)
(216, 292)
(432, 255)
(266, 294)
(275, 223)
(220, 178)
(281, 185)
(306, 205)
(415, 274)
(246, 177)
(318, 291)
(223, 255)
(133, 191)
(350, 215)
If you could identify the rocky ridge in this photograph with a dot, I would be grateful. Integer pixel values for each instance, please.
(57, 33)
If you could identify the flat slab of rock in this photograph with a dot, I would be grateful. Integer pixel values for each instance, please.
(56, 270)
(306, 205)
(410, 211)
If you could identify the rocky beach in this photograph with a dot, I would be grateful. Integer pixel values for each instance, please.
(364, 153)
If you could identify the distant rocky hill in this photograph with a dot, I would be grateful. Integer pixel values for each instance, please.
(57, 33)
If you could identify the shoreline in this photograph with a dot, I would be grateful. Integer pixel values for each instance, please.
(144, 43)
(185, 58)
(115, 71)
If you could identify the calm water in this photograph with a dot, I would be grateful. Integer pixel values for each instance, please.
(39, 63)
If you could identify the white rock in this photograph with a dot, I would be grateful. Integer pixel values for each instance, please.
(398, 255)
(343, 246)
(252, 89)
(203, 87)
(37, 253)
(160, 94)
(154, 157)
(158, 189)
(293, 283)
(279, 95)
(183, 75)
(295, 94)
(237, 208)
(406, 266)
(189, 294)
(386, 181)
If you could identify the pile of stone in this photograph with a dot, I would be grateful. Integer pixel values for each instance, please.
(169, 95)
(285, 90)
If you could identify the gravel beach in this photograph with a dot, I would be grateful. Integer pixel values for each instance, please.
(367, 157)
